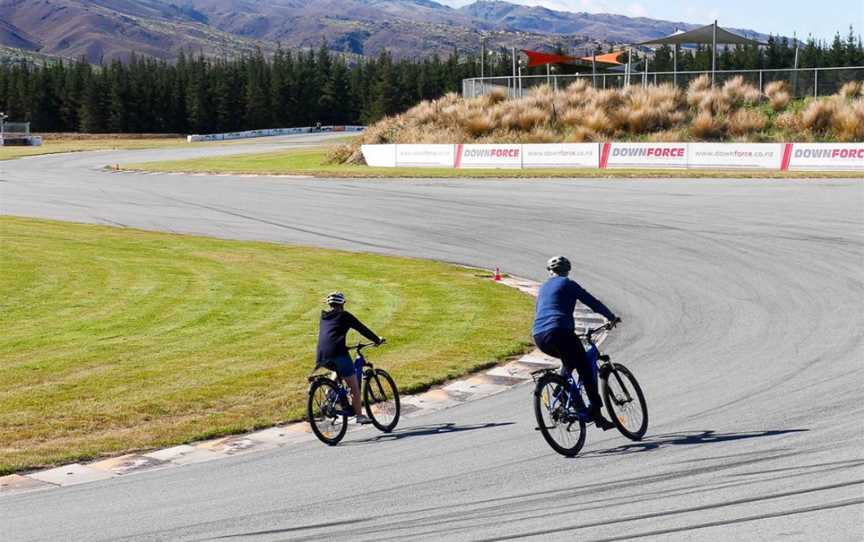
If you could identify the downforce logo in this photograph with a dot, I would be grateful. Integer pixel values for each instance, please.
(830, 153)
(658, 152)
(491, 153)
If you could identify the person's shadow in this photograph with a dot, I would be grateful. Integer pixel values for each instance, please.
(427, 430)
(685, 438)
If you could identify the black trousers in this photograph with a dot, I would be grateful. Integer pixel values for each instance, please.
(566, 346)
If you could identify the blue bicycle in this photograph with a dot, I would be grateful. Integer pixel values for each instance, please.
(560, 405)
(329, 404)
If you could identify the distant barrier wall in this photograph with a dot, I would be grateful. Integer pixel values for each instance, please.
(731, 156)
(248, 134)
(21, 141)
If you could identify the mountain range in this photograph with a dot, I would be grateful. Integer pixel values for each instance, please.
(103, 30)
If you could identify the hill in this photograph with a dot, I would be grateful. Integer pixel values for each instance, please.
(113, 29)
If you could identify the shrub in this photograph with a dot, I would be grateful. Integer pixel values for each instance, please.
(581, 134)
(819, 117)
(531, 117)
(788, 121)
(778, 94)
(850, 90)
(598, 121)
(478, 124)
(746, 121)
(573, 117)
(541, 134)
(738, 93)
(707, 126)
(849, 122)
(668, 136)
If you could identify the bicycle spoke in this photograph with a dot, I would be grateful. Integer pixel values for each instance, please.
(382, 400)
(626, 403)
(556, 417)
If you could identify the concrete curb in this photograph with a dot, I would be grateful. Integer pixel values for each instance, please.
(469, 388)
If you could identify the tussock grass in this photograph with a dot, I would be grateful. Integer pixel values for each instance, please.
(117, 340)
(778, 94)
(735, 110)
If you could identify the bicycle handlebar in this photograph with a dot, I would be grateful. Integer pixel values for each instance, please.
(360, 346)
(607, 326)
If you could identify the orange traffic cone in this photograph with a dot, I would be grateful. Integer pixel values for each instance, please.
(497, 277)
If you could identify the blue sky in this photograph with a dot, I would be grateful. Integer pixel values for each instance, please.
(822, 18)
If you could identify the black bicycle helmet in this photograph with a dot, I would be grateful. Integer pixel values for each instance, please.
(559, 265)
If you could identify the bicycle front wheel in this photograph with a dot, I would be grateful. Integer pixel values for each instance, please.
(562, 429)
(625, 402)
(381, 398)
(327, 412)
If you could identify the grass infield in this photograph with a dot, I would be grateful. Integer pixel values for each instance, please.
(117, 340)
(313, 162)
(55, 146)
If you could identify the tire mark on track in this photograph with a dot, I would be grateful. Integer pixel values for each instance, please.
(272, 222)
(690, 509)
(804, 510)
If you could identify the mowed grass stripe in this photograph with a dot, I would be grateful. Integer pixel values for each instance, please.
(117, 340)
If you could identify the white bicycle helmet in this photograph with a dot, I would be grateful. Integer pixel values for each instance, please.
(336, 298)
(559, 265)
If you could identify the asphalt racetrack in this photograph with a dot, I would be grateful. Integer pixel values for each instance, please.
(742, 306)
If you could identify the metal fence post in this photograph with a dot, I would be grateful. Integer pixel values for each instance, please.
(760, 81)
(815, 82)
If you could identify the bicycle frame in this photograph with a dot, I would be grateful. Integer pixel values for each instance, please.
(359, 364)
(575, 384)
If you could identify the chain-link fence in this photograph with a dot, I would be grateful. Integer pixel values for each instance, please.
(804, 82)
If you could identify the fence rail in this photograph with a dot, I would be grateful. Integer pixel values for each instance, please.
(804, 82)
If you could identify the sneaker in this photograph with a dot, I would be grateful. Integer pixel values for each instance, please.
(362, 419)
(603, 423)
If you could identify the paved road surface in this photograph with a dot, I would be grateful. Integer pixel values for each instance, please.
(742, 303)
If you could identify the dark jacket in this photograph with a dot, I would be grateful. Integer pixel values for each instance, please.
(557, 300)
(335, 325)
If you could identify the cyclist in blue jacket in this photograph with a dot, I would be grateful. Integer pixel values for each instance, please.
(333, 353)
(554, 330)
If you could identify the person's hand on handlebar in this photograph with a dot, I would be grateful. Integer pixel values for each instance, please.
(381, 340)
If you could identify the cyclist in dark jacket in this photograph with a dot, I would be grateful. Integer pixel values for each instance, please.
(554, 332)
(332, 351)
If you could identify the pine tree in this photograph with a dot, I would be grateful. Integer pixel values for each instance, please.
(91, 116)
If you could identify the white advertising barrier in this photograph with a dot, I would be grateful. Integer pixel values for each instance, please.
(489, 156)
(644, 155)
(825, 157)
(561, 155)
(379, 155)
(735, 155)
(425, 155)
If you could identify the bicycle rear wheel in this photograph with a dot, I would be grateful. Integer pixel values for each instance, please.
(562, 429)
(327, 412)
(381, 398)
(625, 402)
